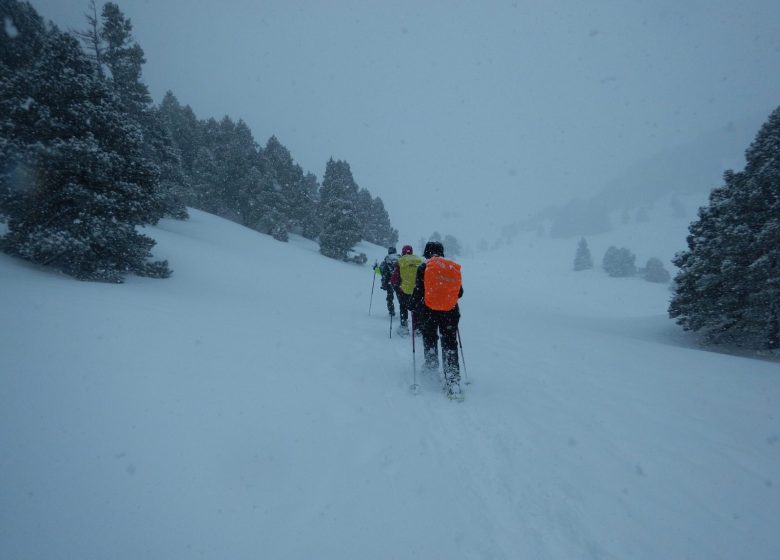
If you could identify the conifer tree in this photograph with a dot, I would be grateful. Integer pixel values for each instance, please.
(112, 43)
(226, 178)
(272, 209)
(655, 271)
(378, 230)
(619, 262)
(204, 178)
(311, 225)
(124, 59)
(92, 39)
(296, 201)
(341, 228)
(452, 246)
(184, 129)
(80, 182)
(364, 204)
(583, 259)
(728, 286)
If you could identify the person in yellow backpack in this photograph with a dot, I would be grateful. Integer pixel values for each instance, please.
(434, 299)
(403, 279)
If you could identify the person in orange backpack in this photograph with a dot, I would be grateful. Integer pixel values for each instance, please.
(438, 286)
(403, 280)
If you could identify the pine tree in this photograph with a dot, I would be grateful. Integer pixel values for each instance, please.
(227, 181)
(341, 228)
(619, 262)
(205, 169)
(379, 229)
(204, 179)
(112, 43)
(451, 246)
(124, 59)
(655, 272)
(272, 210)
(22, 38)
(80, 182)
(583, 259)
(91, 38)
(181, 143)
(296, 201)
(728, 286)
(312, 225)
(184, 129)
(364, 204)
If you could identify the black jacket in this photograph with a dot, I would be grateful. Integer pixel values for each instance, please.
(386, 268)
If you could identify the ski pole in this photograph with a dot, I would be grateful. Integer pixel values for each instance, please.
(414, 386)
(373, 281)
(463, 359)
(391, 326)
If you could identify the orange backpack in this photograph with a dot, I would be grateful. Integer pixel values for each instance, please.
(442, 283)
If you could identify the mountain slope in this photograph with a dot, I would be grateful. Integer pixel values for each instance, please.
(689, 170)
(250, 407)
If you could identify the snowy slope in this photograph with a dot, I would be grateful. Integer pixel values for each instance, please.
(249, 407)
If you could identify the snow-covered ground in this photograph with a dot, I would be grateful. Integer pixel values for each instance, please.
(250, 407)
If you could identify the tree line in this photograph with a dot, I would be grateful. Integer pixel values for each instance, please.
(86, 157)
(621, 263)
(728, 284)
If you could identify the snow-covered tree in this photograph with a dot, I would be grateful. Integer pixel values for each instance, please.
(312, 225)
(124, 59)
(296, 204)
(77, 180)
(236, 157)
(619, 262)
(112, 46)
(91, 38)
(452, 246)
(655, 272)
(379, 229)
(582, 258)
(184, 129)
(728, 286)
(341, 227)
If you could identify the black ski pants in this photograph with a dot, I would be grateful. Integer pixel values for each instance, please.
(390, 304)
(444, 325)
(403, 304)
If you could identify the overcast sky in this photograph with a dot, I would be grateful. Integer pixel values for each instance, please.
(462, 115)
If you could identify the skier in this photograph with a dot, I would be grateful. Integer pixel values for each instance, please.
(403, 280)
(385, 270)
(435, 300)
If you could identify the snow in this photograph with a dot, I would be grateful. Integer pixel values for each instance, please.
(249, 407)
(10, 28)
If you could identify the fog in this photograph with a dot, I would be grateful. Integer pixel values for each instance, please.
(463, 116)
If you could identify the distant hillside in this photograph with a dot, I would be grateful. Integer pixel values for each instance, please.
(693, 168)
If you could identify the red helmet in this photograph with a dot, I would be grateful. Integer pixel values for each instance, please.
(406, 250)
